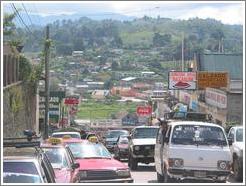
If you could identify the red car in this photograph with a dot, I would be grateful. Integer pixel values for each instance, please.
(62, 161)
(96, 163)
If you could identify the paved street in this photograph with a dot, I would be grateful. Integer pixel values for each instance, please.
(146, 174)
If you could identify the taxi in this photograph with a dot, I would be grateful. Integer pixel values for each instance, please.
(25, 162)
(96, 163)
(62, 161)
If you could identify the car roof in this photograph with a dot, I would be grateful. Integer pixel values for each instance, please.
(72, 140)
(194, 123)
(144, 126)
(20, 158)
(236, 127)
(65, 133)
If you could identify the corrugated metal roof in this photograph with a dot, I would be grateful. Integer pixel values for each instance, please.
(232, 63)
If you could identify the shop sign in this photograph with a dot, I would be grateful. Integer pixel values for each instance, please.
(212, 79)
(181, 80)
(215, 98)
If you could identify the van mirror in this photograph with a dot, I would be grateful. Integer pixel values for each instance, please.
(75, 166)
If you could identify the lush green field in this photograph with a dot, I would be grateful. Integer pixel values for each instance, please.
(103, 110)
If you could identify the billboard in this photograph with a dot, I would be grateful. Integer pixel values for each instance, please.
(181, 80)
(144, 110)
(212, 79)
(216, 98)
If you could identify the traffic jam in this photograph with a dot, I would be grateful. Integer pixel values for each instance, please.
(181, 145)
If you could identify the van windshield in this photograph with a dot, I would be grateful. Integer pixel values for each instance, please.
(145, 133)
(198, 135)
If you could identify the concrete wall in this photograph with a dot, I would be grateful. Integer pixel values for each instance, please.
(25, 117)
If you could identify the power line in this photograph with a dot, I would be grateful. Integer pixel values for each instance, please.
(27, 13)
(17, 12)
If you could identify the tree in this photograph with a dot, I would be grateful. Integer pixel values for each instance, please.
(8, 25)
(218, 35)
(114, 65)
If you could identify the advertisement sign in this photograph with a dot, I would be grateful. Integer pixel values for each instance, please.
(144, 110)
(182, 80)
(212, 79)
(216, 98)
(71, 101)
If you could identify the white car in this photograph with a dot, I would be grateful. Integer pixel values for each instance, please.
(142, 145)
(192, 150)
(61, 134)
(235, 134)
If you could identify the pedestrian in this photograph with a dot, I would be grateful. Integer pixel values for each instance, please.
(163, 125)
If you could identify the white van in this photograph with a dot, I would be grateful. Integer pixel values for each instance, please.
(192, 150)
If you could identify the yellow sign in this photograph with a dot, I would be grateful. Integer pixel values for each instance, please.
(54, 141)
(212, 79)
(93, 139)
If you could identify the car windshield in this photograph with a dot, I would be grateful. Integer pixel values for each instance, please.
(144, 133)
(116, 134)
(239, 135)
(198, 135)
(57, 157)
(10, 177)
(20, 167)
(92, 150)
(62, 135)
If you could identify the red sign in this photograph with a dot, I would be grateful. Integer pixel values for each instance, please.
(144, 110)
(71, 101)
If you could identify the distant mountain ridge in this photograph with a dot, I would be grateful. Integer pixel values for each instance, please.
(44, 20)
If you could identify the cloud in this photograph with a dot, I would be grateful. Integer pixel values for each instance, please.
(226, 12)
(233, 14)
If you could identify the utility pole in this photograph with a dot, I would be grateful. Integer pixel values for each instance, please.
(47, 87)
(183, 51)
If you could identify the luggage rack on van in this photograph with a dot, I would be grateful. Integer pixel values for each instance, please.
(23, 142)
(188, 116)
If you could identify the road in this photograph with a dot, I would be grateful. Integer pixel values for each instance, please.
(146, 174)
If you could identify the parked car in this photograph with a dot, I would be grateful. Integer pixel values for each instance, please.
(62, 134)
(192, 150)
(111, 138)
(97, 165)
(235, 135)
(141, 145)
(121, 148)
(24, 162)
(62, 161)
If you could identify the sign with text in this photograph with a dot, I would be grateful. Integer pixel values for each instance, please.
(181, 80)
(212, 79)
(144, 110)
(71, 101)
(216, 98)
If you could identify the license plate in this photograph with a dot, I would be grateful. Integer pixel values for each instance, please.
(200, 174)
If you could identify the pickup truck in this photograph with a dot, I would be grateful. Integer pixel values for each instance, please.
(235, 134)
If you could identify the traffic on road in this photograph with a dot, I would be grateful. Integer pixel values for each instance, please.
(174, 149)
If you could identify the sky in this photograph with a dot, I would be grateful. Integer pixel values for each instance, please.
(228, 12)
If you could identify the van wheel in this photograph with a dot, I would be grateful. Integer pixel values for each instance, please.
(237, 174)
(132, 163)
(160, 178)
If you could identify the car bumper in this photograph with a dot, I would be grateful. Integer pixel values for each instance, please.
(123, 180)
(197, 174)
